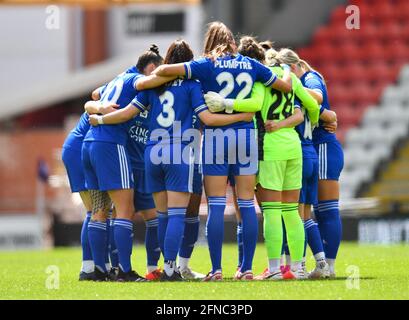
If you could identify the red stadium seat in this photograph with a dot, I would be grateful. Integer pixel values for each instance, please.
(397, 52)
(354, 72)
(351, 52)
(327, 52)
(337, 94)
(368, 33)
(323, 36)
(348, 115)
(344, 75)
(341, 35)
(331, 73)
(370, 2)
(338, 16)
(380, 73)
(308, 54)
(391, 32)
(356, 95)
(384, 11)
(379, 87)
(339, 108)
(364, 94)
(405, 31)
(373, 52)
(358, 2)
(358, 64)
(367, 15)
(402, 11)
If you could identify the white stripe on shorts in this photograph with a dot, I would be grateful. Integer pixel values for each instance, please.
(320, 161)
(191, 170)
(128, 178)
(123, 167)
(325, 161)
(120, 164)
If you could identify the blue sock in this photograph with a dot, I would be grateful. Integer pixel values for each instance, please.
(107, 260)
(250, 232)
(162, 225)
(123, 233)
(174, 232)
(215, 230)
(190, 236)
(240, 243)
(314, 237)
(329, 224)
(151, 242)
(113, 251)
(97, 235)
(86, 249)
(305, 242)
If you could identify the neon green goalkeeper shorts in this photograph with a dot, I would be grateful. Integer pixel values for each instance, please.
(280, 175)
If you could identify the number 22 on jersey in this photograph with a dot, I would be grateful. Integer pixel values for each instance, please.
(229, 81)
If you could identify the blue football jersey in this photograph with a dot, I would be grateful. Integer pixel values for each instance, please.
(305, 131)
(230, 76)
(138, 137)
(121, 91)
(132, 69)
(312, 80)
(77, 135)
(197, 124)
(171, 110)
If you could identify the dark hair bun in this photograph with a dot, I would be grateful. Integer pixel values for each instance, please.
(154, 48)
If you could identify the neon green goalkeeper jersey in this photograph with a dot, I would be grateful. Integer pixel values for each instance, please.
(283, 144)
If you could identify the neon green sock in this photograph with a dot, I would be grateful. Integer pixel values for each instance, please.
(273, 229)
(295, 231)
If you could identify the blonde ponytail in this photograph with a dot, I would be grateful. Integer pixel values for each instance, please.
(289, 57)
(272, 57)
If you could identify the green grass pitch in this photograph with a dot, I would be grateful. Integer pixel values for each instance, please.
(363, 272)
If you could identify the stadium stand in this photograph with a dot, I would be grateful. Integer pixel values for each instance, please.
(382, 128)
(392, 185)
(359, 66)
(392, 188)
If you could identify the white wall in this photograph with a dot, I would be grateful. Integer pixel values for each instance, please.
(31, 53)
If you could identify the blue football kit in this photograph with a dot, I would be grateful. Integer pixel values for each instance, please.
(232, 77)
(105, 157)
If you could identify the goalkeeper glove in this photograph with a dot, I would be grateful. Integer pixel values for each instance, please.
(216, 103)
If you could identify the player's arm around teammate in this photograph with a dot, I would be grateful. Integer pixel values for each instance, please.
(108, 167)
(219, 71)
(168, 199)
(133, 109)
(331, 161)
(281, 195)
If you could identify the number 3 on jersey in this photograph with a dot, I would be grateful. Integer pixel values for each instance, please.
(167, 116)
